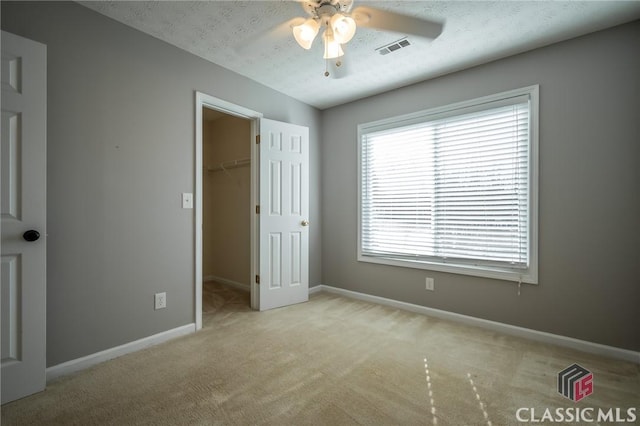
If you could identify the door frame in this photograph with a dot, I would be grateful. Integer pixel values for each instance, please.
(203, 100)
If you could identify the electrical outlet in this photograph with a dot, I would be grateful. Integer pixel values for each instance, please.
(160, 300)
(429, 284)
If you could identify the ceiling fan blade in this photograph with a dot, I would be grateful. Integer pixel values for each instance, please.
(264, 39)
(370, 17)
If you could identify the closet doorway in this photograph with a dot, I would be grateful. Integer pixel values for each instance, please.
(217, 109)
(278, 238)
(226, 209)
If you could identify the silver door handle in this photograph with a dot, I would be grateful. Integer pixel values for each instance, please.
(305, 223)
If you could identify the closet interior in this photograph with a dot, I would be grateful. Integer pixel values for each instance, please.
(226, 194)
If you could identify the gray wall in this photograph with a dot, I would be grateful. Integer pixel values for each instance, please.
(121, 136)
(589, 192)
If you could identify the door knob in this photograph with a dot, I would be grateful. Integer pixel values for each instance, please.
(305, 223)
(31, 235)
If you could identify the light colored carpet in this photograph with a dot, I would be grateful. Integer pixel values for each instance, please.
(333, 361)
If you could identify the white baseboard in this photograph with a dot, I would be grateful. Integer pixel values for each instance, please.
(527, 333)
(90, 360)
(316, 289)
(236, 284)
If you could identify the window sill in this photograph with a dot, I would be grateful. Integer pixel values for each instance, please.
(528, 276)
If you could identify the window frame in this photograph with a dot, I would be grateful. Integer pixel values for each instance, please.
(528, 275)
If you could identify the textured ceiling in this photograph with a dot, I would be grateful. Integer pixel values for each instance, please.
(249, 38)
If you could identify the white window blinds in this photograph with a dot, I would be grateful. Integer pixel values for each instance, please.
(449, 188)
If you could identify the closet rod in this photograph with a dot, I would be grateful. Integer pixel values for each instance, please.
(230, 164)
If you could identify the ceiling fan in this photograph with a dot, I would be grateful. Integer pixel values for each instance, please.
(340, 20)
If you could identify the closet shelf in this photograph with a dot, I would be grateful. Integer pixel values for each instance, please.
(230, 164)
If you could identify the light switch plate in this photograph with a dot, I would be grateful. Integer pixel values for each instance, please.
(187, 200)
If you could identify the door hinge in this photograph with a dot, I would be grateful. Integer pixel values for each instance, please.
(257, 139)
(257, 209)
(257, 279)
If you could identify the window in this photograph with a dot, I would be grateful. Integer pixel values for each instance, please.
(453, 189)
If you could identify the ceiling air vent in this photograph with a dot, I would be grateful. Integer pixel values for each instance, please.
(392, 47)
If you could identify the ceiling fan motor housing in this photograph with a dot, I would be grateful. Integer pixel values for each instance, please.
(322, 8)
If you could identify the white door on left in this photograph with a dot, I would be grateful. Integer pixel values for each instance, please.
(23, 193)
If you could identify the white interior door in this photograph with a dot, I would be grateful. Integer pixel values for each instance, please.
(23, 187)
(284, 214)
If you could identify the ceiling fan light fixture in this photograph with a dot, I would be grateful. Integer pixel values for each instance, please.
(344, 28)
(332, 49)
(306, 33)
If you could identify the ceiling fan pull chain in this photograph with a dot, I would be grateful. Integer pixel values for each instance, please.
(326, 52)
